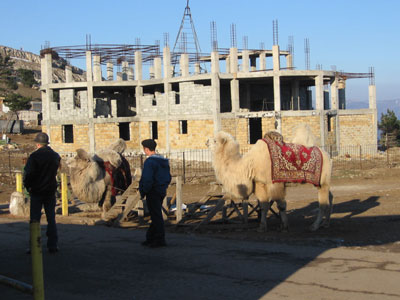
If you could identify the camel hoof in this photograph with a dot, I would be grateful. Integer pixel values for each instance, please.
(262, 229)
(325, 225)
(284, 228)
(314, 227)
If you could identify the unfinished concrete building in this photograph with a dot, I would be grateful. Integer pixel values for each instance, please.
(245, 92)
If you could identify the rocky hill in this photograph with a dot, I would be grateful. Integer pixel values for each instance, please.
(31, 61)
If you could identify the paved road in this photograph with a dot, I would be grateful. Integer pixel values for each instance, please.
(97, 262)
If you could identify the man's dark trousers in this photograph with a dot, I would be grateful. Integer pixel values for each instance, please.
(49, 204)
(156, 232)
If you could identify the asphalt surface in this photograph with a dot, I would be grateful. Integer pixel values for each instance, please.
(98, 262)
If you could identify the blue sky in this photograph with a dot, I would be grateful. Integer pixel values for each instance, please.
(352, 35)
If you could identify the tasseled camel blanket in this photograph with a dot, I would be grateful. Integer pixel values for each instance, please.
(293, 162)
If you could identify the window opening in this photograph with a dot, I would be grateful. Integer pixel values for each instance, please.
(124, 131)
(154, 130)
(183, 127)
(68, 134)
(255, 130)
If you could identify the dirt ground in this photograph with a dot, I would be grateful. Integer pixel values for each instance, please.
(366, 211)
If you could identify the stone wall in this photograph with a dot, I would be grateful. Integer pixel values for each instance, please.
(194, 99)
(81, 138)
(198, 131)
(356, 129)
(290, 123)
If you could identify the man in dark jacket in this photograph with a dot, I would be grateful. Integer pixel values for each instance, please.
(153, 185)
(40, 181)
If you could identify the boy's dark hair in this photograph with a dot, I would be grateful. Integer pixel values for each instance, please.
(149, 143)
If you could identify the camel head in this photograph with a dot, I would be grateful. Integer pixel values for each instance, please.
(80, 161)
(223, 145)
(118, 146)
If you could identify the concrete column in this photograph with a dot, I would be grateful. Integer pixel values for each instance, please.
(372, 105)
(214, 62)
(215, 98)
(157, 68)
(233, 57)
(334, 94)
(228, 65)
(125, 67)
(114, 112)
(89, 73)
(296, 95)
(138, 65)
(43, 71)
(131, 75)
(90, 100)
(235, 95)
(167, 62)
(96, 68)
(372, 96)
(253, 64)
(289, 61)
(245, 60)
(167, 92)
(68, 74)
(47, 65)
(151, 72)
(277, 93)
(263, 62)
(110, 71)
(276, 58)
(319, 92)
(322, 124)
(47, 94)
(197, 68)
(184, 64)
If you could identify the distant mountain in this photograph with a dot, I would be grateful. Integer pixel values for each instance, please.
(31, 61)
(382, 106)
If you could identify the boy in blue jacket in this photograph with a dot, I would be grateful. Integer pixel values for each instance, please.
(153, 185)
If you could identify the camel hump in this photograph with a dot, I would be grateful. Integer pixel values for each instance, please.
(274, 135)
(107, 155)
(303, 135)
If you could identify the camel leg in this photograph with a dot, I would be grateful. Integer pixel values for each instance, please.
(264, 208)
(107, 200)
(325, 207)
(282, 212)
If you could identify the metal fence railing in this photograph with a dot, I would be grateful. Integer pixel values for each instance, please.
(198, 163)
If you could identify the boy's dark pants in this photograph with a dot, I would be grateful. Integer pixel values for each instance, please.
(156, 232)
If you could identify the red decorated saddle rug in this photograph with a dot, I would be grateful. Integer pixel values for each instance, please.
(294, 163)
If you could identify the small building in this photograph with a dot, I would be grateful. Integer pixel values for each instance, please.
(246, 92)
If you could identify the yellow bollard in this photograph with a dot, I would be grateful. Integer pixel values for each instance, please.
(18, 179)
(64, 194)
(37, 261)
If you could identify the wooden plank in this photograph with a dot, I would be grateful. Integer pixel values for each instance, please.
(212, 213)
(164, 209)
(129, 205)
(178, 212)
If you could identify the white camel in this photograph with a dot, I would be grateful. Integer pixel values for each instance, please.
(242, 175)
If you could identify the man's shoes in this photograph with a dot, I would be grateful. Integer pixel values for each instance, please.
(154, 244)
(146, 243)
(53, 250)
(158, 244)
